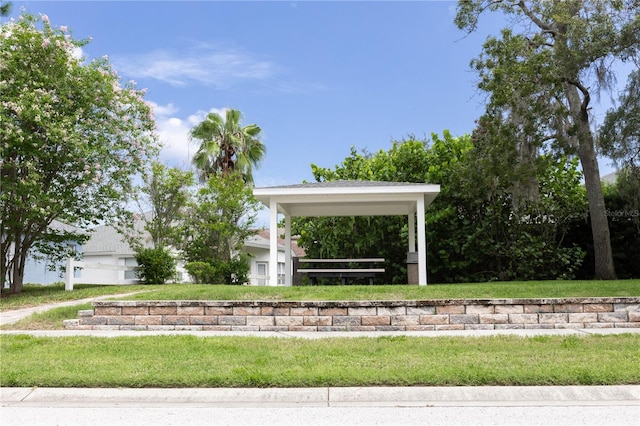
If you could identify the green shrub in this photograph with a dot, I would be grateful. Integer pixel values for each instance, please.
(202, 272)
(235, 271)
(155, 265)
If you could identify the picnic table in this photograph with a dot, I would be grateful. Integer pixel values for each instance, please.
(337, 268)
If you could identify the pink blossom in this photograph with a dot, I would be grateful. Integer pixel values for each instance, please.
(63, 28)
(45, 43)
(45, 19)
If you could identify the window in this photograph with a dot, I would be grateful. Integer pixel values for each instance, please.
(130, 275)
(262, 273)
(280, 273)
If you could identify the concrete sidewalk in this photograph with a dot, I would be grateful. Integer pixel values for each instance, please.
(332, 334)
(328, 396)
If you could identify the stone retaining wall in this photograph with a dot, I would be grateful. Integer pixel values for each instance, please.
(414, 315)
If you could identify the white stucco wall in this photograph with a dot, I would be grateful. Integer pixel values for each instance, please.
(38, 272)
(103, 276)
(261, 255)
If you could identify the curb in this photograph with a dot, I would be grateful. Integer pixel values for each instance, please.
(329, 396)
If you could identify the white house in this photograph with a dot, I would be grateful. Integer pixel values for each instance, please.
(44, 271)
(106, 246)
(258, 247)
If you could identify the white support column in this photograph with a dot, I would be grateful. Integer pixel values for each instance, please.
(288, 271)
(412, 232)
(422, 243)
(273, 243)
(68, 275)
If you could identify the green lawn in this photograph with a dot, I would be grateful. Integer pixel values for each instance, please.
(190, 361)
(34, 295)
(497, 290)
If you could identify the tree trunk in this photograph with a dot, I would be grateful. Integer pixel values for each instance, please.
(604, 267)
(19, 261)
(4, 262)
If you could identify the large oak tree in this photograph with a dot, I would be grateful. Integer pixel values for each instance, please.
(546, 69)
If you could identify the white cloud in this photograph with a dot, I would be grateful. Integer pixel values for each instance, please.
(77, 52)
(207, 64)
(163, 110)
(173, 130)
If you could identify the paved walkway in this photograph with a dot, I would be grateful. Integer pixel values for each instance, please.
(9, 317)
(324, 335)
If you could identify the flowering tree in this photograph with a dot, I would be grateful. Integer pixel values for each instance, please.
(71, 136)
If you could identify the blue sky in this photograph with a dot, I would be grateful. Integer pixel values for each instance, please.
(317, 77)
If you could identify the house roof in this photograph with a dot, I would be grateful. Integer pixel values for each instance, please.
(107, 240)
(261, 240)
(347, 198)
(610, 177)
(65, 227)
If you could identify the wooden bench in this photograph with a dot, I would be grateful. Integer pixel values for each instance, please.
(337, 268)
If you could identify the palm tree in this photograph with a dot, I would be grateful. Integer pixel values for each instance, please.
(5, 9)
(226, 146)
